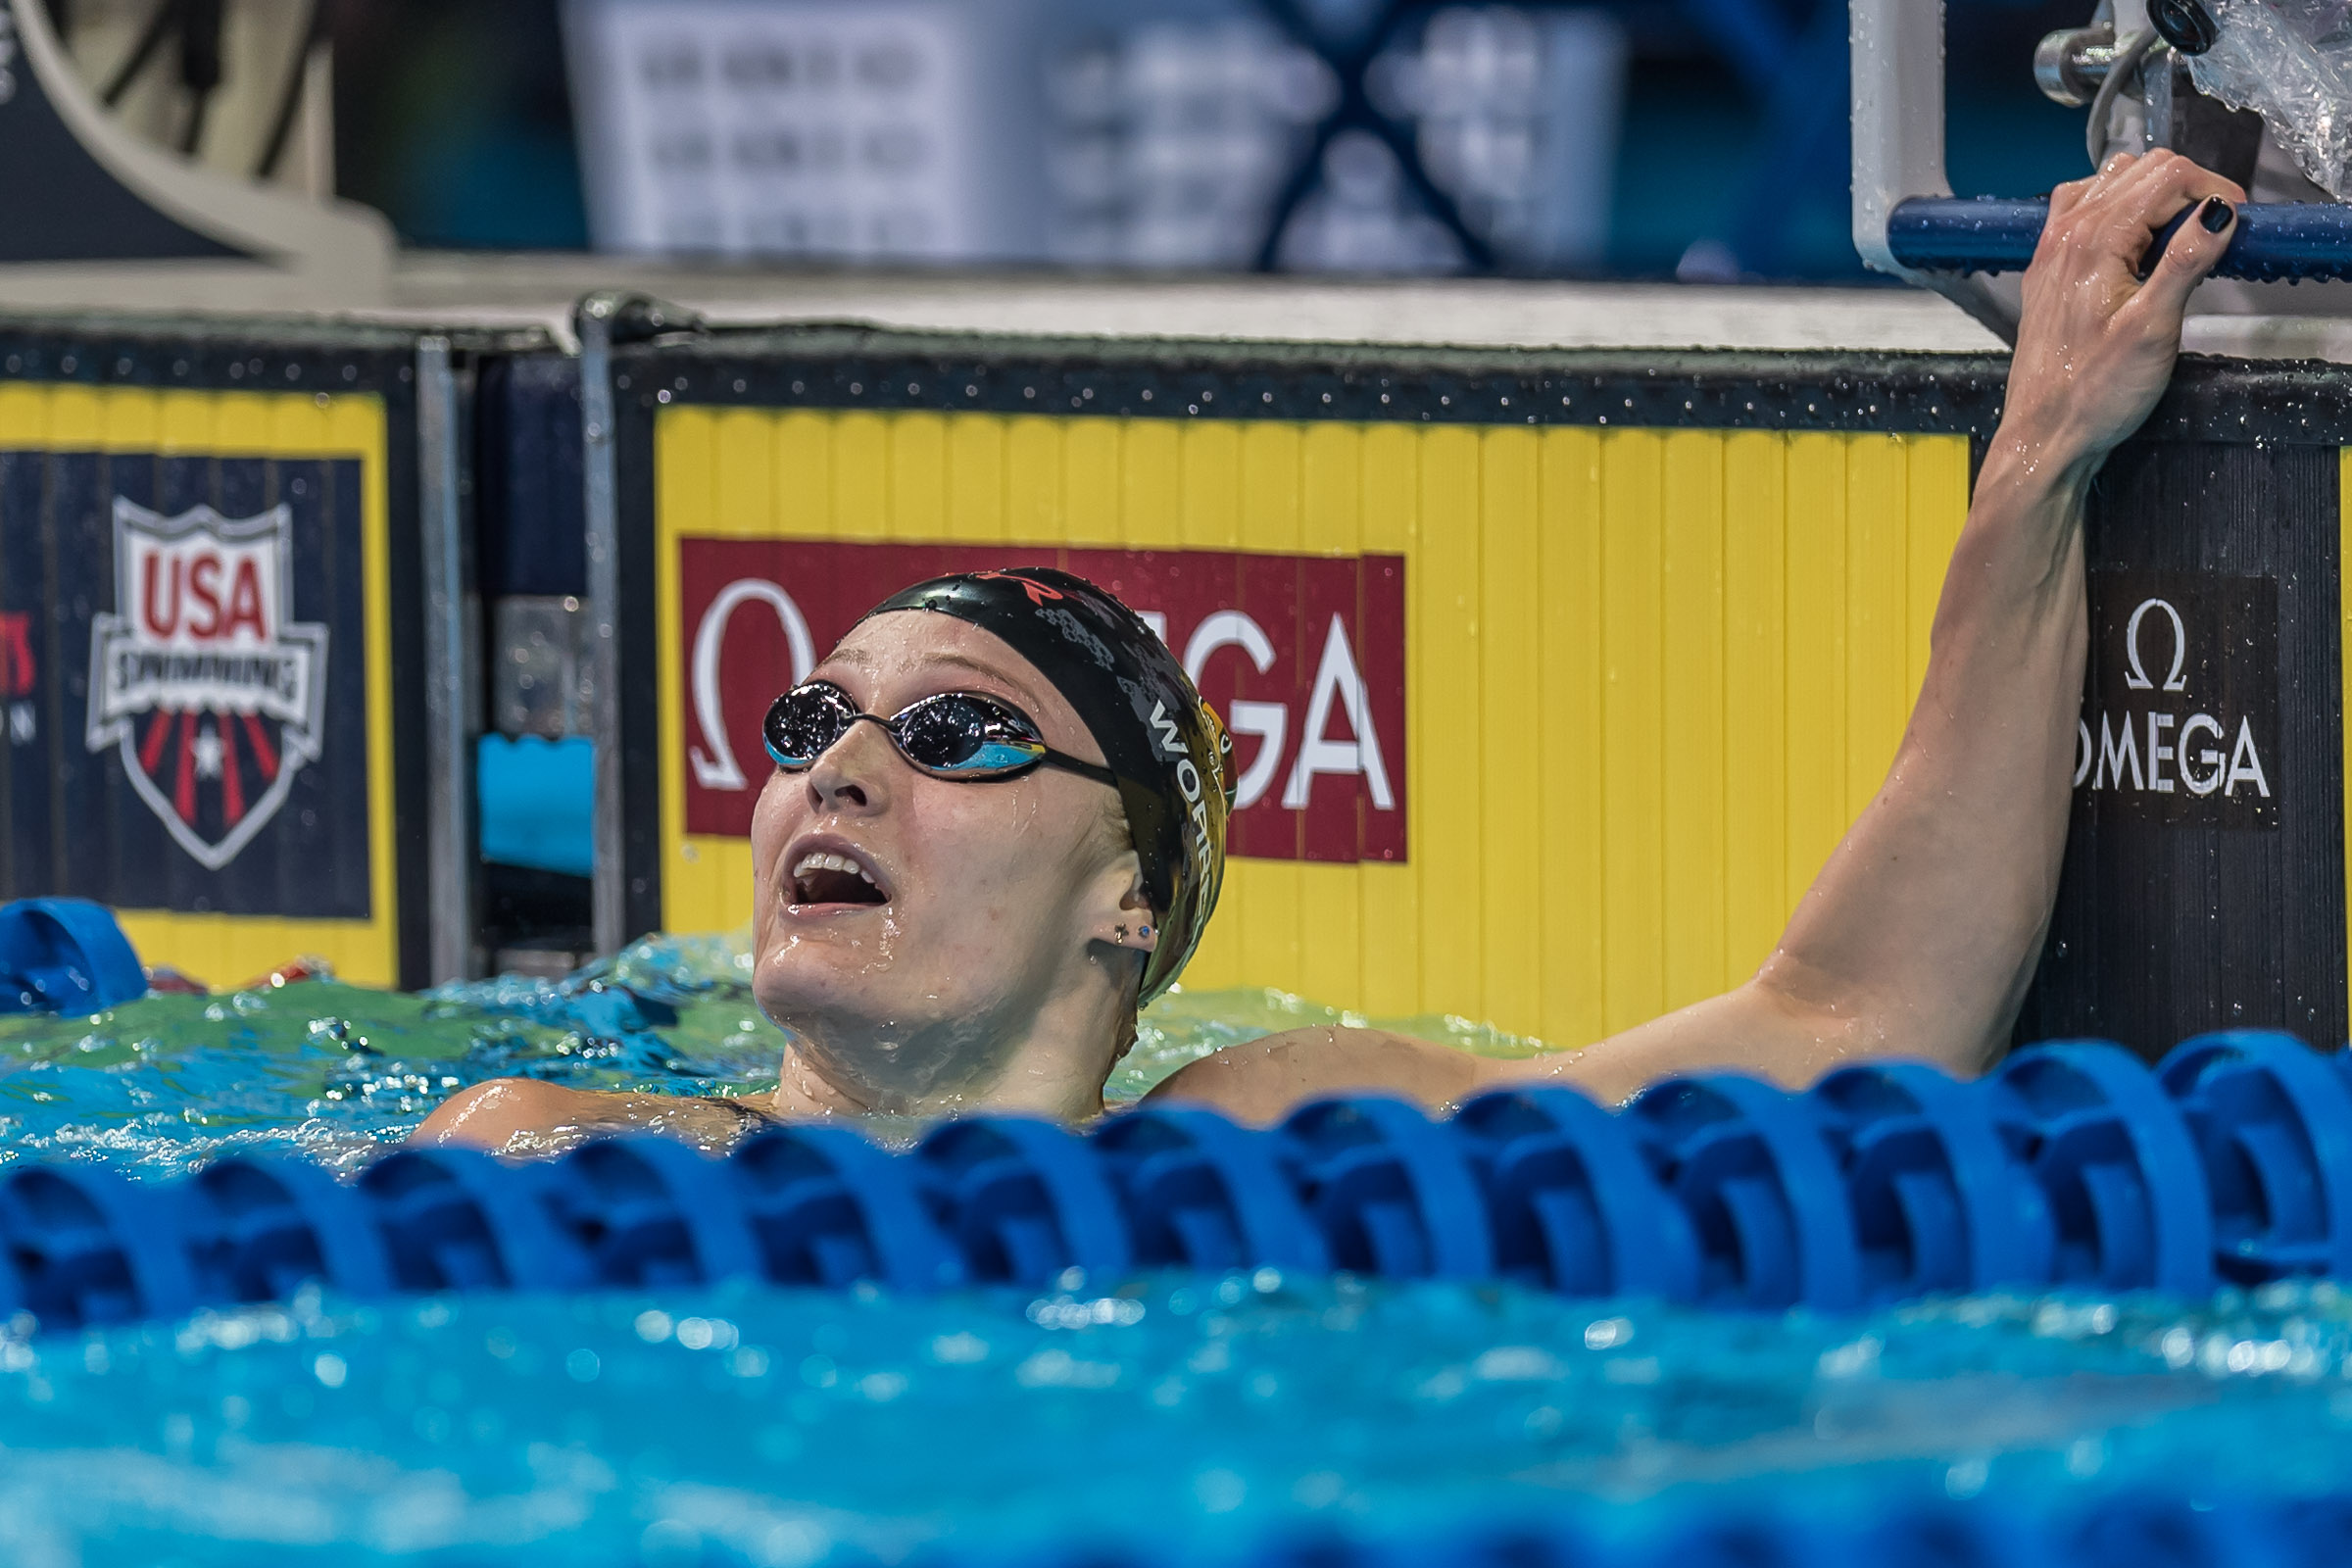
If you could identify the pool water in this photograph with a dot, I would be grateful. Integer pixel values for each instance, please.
(339, 1071)
(1186, 1417)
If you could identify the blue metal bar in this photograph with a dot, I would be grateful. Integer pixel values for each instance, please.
(1987, 234)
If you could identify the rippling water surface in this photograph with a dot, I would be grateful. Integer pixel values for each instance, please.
(761, 1426)
(339, 1070)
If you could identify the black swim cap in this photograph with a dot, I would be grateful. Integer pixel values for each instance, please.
(1173, 757)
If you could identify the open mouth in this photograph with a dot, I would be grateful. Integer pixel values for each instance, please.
(822, 877)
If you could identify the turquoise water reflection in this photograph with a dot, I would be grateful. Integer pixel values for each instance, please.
(756, 1425)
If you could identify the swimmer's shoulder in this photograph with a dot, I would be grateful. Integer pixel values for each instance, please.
(1260, 1081)
(526, 1116)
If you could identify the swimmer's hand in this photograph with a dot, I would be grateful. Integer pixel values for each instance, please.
(2096, 344)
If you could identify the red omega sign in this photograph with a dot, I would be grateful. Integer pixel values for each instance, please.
(1302, 656)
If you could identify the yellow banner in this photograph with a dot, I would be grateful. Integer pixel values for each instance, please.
(1649, 674)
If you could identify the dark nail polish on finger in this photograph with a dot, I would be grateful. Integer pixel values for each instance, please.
(2216, 214)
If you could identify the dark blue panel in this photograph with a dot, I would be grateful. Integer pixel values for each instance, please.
(141, 860)
(334, 802)
(2225, 913)
(342, 596)
(532, 536)
(85, 812)
(180, 807)
(31, 717)
(241, 486)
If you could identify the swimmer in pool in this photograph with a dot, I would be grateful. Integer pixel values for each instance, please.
(996, 826)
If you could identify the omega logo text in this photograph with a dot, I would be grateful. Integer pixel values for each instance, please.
(2179, 725)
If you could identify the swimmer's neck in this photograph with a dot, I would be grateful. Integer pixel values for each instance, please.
(1048, 1061)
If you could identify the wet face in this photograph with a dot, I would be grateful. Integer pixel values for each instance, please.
(909, 929)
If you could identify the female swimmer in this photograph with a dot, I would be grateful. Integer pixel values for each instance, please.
(997, 823)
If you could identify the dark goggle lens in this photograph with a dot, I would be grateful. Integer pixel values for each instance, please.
(967, 735)
(804, 723)
(954, 733)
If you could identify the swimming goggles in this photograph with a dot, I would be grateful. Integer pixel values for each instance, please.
(954, 735)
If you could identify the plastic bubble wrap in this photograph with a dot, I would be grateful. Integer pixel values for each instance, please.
(2289, 60)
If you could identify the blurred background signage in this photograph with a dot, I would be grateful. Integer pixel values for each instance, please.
(1156, 135)
(1700, 139)
(848, 128)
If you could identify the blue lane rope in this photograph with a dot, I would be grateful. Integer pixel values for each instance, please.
(2130, 1529)
(2072, 1165)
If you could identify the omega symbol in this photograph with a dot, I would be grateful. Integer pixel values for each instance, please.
(2136, 677)
(714, 764)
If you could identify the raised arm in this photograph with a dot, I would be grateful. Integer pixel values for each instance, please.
(1921, 934)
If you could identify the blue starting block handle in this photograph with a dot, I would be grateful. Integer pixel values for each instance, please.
(2273, 240)
(65, 956)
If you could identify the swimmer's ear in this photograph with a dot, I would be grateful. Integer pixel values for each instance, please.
(1136, 936)
(1132, 925)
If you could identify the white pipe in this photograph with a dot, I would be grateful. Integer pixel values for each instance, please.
(1896, 75)
(306, 253)
(1897, 81)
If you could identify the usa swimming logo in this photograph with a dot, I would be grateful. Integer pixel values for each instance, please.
(201, 677)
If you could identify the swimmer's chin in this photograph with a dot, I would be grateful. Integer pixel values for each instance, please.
(826, 999)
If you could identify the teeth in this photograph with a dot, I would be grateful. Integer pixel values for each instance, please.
(820, 860)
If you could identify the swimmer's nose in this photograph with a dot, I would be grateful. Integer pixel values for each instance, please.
(852, 776)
